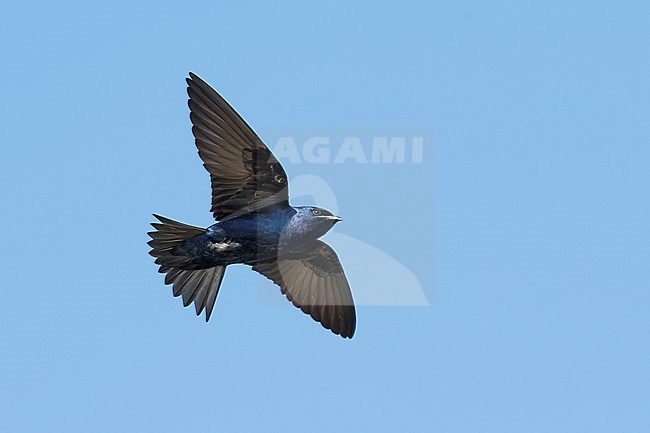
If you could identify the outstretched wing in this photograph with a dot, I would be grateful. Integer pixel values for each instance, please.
(245, 175)
(312, 278)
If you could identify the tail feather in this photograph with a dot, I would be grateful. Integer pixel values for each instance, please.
(169, 234)
(200, 286)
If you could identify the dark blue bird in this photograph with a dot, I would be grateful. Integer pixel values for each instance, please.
(256, 225)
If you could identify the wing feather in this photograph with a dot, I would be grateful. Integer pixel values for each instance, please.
(245, 176)
(312, 278)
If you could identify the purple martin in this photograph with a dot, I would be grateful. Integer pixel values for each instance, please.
(256, 225)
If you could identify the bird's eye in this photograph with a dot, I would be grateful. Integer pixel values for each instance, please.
(316, 212)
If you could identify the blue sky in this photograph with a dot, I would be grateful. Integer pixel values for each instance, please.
(525, 226)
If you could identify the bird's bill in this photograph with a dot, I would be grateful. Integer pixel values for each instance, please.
(332, 217)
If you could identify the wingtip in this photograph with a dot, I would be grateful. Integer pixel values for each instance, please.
(194, 79)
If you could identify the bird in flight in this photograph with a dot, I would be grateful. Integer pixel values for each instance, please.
(256, 225)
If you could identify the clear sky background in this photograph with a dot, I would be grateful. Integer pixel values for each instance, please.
(527, 224)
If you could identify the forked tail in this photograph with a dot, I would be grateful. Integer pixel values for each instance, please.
(200, 286)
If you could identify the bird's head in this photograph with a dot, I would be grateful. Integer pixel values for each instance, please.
(310, 222)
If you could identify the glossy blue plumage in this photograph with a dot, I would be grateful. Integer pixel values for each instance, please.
(255, 237)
